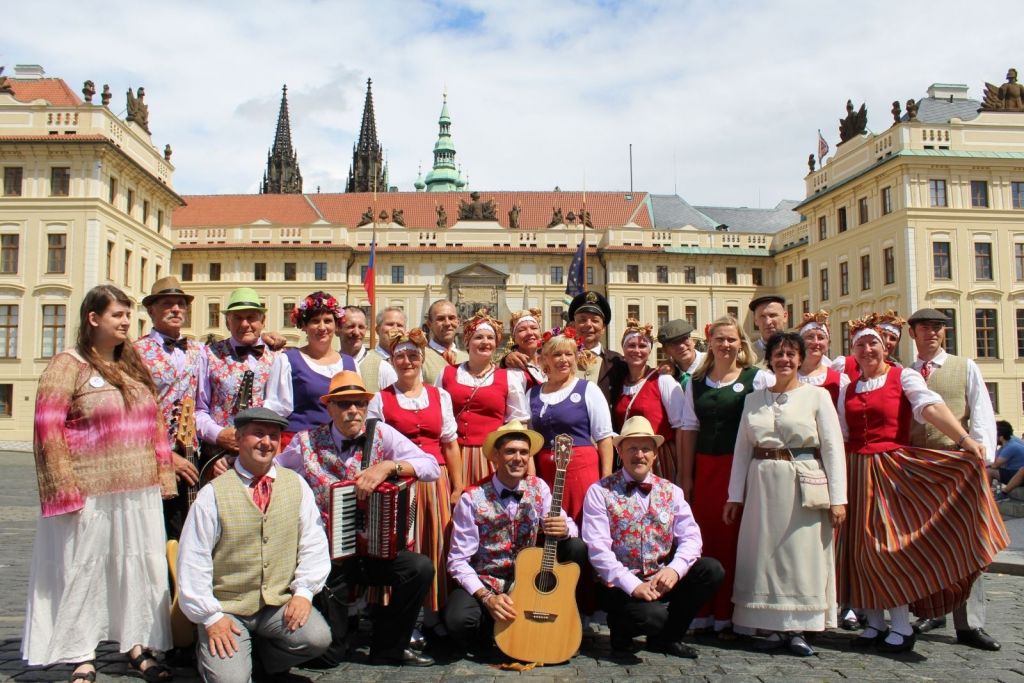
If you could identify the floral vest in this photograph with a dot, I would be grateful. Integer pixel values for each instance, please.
(171, 386)
(501, 538)
(226, 377)
(642, 541)
(322, 465)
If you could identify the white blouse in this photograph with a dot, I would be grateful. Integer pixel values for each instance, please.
(818, 380)
(671, 397)
(914, 388)
(449, 431)
(597, 408)
(280, 397)
(762, 380)
(516, 405)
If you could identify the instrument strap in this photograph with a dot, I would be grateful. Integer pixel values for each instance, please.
(369, 432)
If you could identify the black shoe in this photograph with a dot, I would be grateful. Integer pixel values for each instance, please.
(863, 641)
(850, 623)
(799, 647)
(624, 645)
(417, 641)
(775, 642)
(406, 657)
(976, 637)
(673, 648)
(906, 646)
(926, 625)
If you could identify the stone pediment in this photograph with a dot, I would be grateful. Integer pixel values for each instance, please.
(479, 273)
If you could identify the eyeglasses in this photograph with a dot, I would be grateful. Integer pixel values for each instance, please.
(345, 405)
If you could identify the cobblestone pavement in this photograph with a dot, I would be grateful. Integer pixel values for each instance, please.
(936, 658)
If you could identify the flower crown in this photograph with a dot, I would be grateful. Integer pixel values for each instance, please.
(891, 318)
(414, 336)
(633, 326)
(869, 321)
(584, 357)
(317, 302)
(482, 317)
(534, 313)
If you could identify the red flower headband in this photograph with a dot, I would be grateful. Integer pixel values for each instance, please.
(317, 302)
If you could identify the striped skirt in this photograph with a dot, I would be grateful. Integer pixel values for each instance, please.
(921, 526)
(666, 465)
(433, 533)
(474, 465)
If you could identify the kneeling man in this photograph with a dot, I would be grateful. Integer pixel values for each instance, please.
(253, 554)
(493, 520)
(645, 549)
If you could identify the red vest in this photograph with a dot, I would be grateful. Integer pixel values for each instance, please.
(422, 427)
(832, 385)
(483, 414)
(878, 420)
(852, 370)
(648, 403)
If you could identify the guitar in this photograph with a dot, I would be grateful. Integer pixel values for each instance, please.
(243, 400)
(182, 630)
(548, 629)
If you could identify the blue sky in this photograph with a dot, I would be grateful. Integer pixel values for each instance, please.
(720, 100)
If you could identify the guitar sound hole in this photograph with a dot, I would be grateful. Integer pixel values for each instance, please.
(545, 582)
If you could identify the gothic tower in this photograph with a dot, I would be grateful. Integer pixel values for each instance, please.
(367, 172)
(282, 175)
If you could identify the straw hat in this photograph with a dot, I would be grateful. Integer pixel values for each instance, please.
(637, 426)
(166, 286)
(346, 386)
(513, 427)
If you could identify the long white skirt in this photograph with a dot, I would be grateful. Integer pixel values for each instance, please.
(785, 568)
(99, 574)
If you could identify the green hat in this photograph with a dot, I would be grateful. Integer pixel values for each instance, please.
(244, 299)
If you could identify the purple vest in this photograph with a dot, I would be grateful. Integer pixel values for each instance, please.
(642, 541)
(307, 388)
(321, 465)
(568, 417)
(501, 538)
(171, 386)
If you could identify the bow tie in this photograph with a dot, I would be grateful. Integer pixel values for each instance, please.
(255, 351)
(644, 487)
(170, 344)
(357, 442)
(512, 493)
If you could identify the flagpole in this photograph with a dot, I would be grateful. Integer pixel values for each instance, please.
(373, 273)
(583, 223)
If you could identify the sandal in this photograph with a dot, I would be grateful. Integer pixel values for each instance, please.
(88, 676)
(154, 673)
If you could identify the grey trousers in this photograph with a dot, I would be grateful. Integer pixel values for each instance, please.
(277, 648)
(971, 614)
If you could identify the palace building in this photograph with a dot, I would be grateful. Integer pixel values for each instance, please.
(925, 213)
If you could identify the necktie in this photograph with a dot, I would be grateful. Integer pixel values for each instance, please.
(512, 493)
(170, 344)
(348, 444)
(926, 369)
(449, 356)
(255, 351)
(261, 489)
(644, 487)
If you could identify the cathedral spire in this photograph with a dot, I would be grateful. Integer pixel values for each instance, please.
(367, 173)
(444, 176)
(282, 175)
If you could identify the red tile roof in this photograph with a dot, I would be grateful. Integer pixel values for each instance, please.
(53, 90)
(419, 208)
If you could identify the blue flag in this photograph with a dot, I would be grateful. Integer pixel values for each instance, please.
(576, 282)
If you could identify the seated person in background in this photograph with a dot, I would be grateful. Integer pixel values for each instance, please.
(1008, 467)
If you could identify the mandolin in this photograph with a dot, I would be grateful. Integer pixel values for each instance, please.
(243, 400)
(182, 630)
(548, 629)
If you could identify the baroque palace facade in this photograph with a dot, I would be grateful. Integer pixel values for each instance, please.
(926, 213)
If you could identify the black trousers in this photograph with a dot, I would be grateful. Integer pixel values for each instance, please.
(469, 623)
(665, 619)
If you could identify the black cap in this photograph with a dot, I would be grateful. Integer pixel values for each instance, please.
(766, 299)
(590, 302)
(923, 315)
(674, 329)
(259, 415)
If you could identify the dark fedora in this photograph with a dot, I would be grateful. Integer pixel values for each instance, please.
(166, 286)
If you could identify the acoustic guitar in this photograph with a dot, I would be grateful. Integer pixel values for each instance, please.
(547, 629)
(182, 630)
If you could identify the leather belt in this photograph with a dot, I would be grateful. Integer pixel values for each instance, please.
(786, 453)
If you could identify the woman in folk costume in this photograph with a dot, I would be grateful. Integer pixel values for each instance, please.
(788, 482)
(99, 570)
(424, 415)
(657, 397)
(566, 405)
(712, 407)
(922, 523)
(300, 376)
(890, 328)
(484, 396)
(816, 335)
(526, 340)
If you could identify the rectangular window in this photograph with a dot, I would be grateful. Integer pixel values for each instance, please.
(730, 275)
(160, 219)
(259, 271)
(214, 272)
(397, 275)
(286, 311)
(937, 193)
(145, 210)
(789, 311)
(757, 276)
(320, 270)
(186, 272)
(1018, 260)
(993, 393)
(555, 316)
(9, 254)
(127, 268)
(841, 219)
(362, 273)
(805, 268)
(662, 275)
(986, 333)
(6, 400)
(941, 266)
(56, 251)
(789, 272)
(806, 307)
(9, 331)
(632, 273)
(844, 278)
(143, 263)
(865, 271)
(662, 315)
(690, 275)
(157, 270)
(1017, 195)
(110, 261)
(690, 313)
(732, 312)
(12, 181)
(889, 264)
(53, 330)
(824, 284)
(633, 311)
(983, 260)
(290, 271)
(112, 193)
(979, 194)
(950, 344)
(60, 181)
(886, 201)
(844, 333)
(590, 275)
(1020, 333)
(862, 210)
(129, 204)
(213, 315)
(557, 275)
(822, 229)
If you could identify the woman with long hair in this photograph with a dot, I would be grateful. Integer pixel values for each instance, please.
(712, 407)
(300, 376)
(525, 341)
(99, 570)
(815, 333)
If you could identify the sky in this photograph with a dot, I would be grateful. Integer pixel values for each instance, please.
(720, 100)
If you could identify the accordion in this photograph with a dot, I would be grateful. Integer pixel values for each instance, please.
(378, 526)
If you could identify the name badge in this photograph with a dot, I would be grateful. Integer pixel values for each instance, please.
(738, 387)
(575, 397)
(96, 382)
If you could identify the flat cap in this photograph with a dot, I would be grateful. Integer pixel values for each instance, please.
(928, 315)
(674, 329)
(766, 299)
(590, 302)
(259, 415)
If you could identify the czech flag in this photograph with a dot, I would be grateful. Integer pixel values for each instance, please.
(369, 280)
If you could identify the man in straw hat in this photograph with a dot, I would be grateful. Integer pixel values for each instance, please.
(493, 520)
(335, 452)
(645, 548)
(253, 555)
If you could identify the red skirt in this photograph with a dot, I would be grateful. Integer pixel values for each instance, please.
(710, 491)
(584, 469)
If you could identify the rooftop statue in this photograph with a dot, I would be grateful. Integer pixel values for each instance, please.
(476, 210)
(442, 217)
(106, 95)
(584, 218)
(897, 113)
(366, 218)
(556, 217)
(398, 217)
(855, 123)
(5, 86)
(138, 110)
(911, 110)
(810, 162)
(1007, 97)
(513, 217)
(88, 91)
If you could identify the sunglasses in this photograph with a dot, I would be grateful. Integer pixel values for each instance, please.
(345, 405)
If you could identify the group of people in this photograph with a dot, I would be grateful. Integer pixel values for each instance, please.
(722, 492)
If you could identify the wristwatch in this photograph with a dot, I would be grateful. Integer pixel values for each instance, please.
(398, 469)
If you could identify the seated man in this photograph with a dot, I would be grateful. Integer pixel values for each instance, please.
(253, 554)
(335, 452)
(493, 520)
(1008, 467)
(645, 549)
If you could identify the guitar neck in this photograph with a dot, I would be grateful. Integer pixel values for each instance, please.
(551, 544)
(192, 490)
